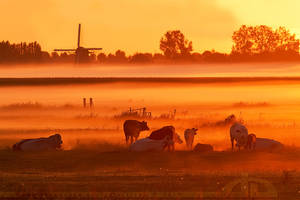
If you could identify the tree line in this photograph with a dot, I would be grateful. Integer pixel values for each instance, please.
(250, 44)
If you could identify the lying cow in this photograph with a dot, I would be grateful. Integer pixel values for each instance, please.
(39, 144)
(168, 133)
(189, 135)
(251, 142)
(266, 144)
(203, 148)
(132, 129)
(147, 144)
(238, 133)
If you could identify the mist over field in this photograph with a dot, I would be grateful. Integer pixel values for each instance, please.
(39, 101)
(148, 70)
(56, 104)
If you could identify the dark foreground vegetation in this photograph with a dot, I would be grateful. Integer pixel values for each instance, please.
(250, 44)
(90, 174)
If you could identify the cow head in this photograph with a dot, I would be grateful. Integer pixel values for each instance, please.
(56, 140)
(194, 130)
(144, 126)
(177, 139)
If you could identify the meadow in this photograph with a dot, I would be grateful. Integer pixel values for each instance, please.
(95, 158)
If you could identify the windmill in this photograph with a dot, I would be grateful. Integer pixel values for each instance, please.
(81, 53)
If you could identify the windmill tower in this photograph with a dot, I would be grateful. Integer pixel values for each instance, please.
(81, 53)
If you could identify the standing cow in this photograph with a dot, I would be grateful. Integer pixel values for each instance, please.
(132, 129)
(238, 133)
(251, 143)
(189, 135)
(39, 144)
(169, 133)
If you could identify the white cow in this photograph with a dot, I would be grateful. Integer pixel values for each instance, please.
(238, 133)
(39, 144)
(189, 135)
(147, 144)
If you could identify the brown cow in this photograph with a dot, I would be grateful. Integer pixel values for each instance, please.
(132, 129)
(169, 133)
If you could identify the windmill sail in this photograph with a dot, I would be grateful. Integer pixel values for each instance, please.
(78, 40)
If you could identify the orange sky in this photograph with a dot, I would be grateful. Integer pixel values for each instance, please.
(137, 25)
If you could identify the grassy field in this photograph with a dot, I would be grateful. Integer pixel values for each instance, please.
(95, 162)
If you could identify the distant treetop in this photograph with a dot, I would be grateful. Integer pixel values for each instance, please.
(174, 45)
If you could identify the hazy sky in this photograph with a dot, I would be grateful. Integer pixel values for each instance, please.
(137, 25)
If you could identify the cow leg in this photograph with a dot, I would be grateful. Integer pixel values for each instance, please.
(127, 138)
(172, 147)
(136, 137)
(131, 139)
(232, 144)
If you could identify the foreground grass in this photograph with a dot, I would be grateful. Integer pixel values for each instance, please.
(89, 170)
(86, 160)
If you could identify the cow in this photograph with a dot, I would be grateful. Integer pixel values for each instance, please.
(132, 129)
(52, 142)
(251, 142)
(169, 133)
(238, 133)
(266, 144)
(189, 135)
(147, 144)
(231, 119)
(203, 148)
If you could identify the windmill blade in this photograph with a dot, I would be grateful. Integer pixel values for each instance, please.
(93, 49)
(78, 40)
(64, 49)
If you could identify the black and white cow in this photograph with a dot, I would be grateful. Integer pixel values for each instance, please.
(169, 133)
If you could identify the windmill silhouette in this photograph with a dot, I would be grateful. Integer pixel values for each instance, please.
(81, 53)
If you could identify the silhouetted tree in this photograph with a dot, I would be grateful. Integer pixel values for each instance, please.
(141, 58)
(213, 56)
(197, 57)
(174, 45)
(120, 56)
(93, 57)
(101, 58)
(249, 40)
(159, 58)
(21, 52)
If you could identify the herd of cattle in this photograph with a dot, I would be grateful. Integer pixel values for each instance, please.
(162, 139)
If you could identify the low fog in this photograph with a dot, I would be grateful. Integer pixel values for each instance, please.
(178, 70)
